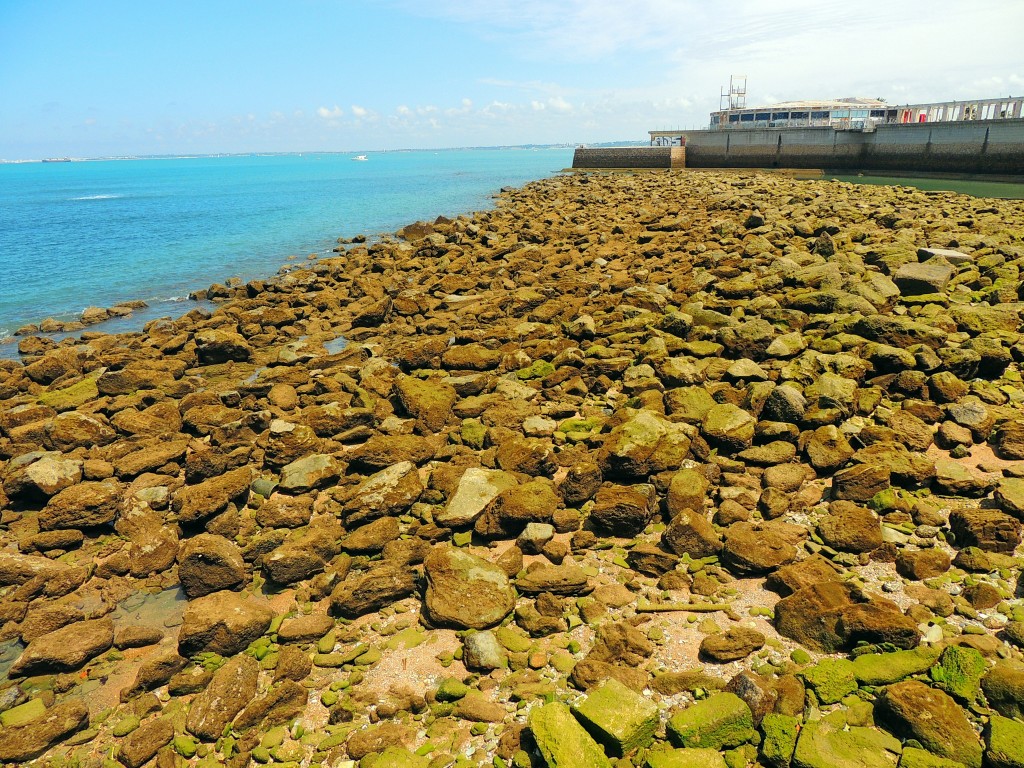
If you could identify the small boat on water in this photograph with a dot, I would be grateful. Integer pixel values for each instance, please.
(360, 157)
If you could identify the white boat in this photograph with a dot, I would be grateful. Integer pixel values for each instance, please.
(359, 157)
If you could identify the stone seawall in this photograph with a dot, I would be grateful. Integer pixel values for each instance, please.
(622, 157)
(991, 147)
(963, 147)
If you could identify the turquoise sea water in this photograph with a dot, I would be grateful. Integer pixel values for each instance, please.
(95, 233)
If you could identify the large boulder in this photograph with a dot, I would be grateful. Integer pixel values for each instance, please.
(65, 649)
(465, 591)
(371, 590)
(475, 490)
(624, 510)
(932, 718)
(428, 401)
(85, 505)
(561, 739)
(514, 508)
(214, 346)
(830, 616)
(222, 622)
(729, 427)
(390, 491)
(41, 474)
(21, 743)
(193, 503)
(209, 563)
(751, 549)
(142, 744)
(233, 686)
(646, 443)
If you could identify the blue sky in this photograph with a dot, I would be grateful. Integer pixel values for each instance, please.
(111, 77)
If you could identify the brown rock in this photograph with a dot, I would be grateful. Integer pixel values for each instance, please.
(72, 429)
(142, 744)
(25, 742)
(751, 549)
(813, 570)
(377, 738)
(860, 482)
(304, 629)
(934, 719)
(198, 502)
(427, 400)
(922, 564)
(282, 511)
(382, 451)
(153, 673)
(222, 622)
(556, 579)
(732, 645)
(66, 649)
(987, 529)
(209, 563)
(624, 510)
(582, 481)
(279, 705)
(214, 346)
(464, 591)
(516, 507)
(233, 686)
(372, 590)
(850, 528)
(686, 491)
(690, 533)
(371, 537)
(390, 491)
(85, 505)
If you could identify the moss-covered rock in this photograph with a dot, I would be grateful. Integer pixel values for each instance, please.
(686, 758)
(886, 668)
(831, 679)
(562, 741)
(825, 744)
(619, 718)
(68, 398)
(720, 721)
(958, 672)
(779, 734)
(1005, 740)
(922, 758)
(1004, 687)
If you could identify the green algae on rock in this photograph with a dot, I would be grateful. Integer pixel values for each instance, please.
(619, 718)
(562, 741)
(720, 721)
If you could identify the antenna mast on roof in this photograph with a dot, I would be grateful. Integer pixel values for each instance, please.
(736, 96)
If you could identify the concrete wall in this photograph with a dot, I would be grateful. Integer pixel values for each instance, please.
(622, 157)
(995, 147)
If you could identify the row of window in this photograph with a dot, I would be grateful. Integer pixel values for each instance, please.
(835, 114)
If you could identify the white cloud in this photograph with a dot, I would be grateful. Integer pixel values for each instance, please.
(359, 112)
(330, 114)
(559, 104)
(403, 110)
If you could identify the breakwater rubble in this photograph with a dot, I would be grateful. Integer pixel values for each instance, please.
(654, 469)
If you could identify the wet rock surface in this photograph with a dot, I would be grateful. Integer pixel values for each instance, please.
(646, 469)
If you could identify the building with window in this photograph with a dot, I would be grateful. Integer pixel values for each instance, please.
(850, 114)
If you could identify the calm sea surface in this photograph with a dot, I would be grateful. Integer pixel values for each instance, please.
(95, 233)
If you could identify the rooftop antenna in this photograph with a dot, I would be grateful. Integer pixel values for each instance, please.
(736, 96)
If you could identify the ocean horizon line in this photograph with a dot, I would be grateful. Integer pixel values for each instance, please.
(299, 153)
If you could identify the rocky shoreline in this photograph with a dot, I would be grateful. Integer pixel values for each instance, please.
(656, 469)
